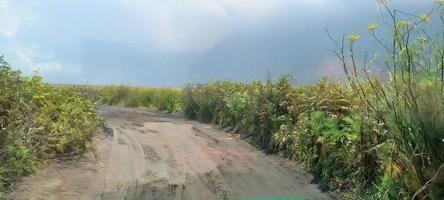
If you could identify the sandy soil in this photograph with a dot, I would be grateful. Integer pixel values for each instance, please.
(151, 155)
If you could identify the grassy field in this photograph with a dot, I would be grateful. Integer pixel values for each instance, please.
(163, 99)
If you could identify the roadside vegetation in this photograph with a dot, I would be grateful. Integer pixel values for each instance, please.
(163, 99)
(39, 122)
(319, 125)
(372, 138)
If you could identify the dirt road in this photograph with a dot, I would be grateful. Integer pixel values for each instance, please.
(150, 155)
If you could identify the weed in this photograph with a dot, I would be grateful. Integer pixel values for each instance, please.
(39, 122)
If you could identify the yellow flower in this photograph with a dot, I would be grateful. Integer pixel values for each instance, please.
(402, 23)
(422, 40)
(393, 169)
(372, 26)
(354, 37)
(425, 17)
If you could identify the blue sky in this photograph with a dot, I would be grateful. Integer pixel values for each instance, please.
(174, 42)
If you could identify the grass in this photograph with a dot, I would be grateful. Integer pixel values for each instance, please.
(328, 128)
(370, 138)
(164, 99)
(318, 124)
(39, 122)
(273, 198)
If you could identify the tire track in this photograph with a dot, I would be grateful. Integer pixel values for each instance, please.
(152, 155)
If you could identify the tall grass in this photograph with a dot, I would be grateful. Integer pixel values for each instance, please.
(39, 122)
(164, 99)
(410, 105)
(317, 124)
(370, 138)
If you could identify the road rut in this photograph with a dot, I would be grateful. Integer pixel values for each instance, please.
(152, 155)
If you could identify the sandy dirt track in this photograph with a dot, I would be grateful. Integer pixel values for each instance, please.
(151, 155)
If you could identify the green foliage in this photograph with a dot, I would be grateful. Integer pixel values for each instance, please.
(167, 100)
(328, 127)
(204, 101)
(164, 99)
(406, 111)
(317, 124)
(39, 122)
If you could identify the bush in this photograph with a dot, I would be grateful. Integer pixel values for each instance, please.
(39, 122)
(315, 124)
(408, 107)
(328, 127)
(371, 138)
(164, 99)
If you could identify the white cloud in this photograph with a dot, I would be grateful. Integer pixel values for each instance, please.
(10, 21)
(243, 7)
(211, 7)
(53, 67)
(26, 57)
(195, 25)
(48, 67)
(12, 17)
(29, 59)
(198, 25)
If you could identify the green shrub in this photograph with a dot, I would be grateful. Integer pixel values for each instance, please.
(164, 99)
(167, 100)
(190, 105)
(39, 122)
(327, 126)
(406, 110)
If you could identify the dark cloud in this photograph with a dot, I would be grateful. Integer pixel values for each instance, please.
(171, 43)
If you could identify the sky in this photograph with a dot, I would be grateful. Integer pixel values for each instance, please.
(162, 43)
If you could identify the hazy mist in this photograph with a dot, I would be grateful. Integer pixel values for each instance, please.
(171, 43)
